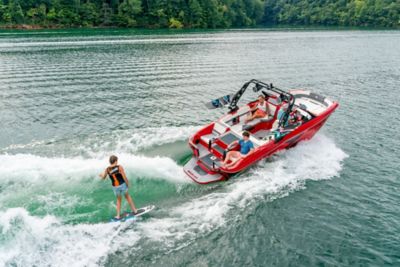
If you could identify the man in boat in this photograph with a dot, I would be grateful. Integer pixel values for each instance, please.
(120, 184)
(260, 110)
(246, 147)
(281, 112)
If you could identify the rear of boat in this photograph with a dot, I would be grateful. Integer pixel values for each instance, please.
(208, 146)
(201, 175)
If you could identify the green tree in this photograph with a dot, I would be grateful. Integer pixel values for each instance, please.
(89, 14)
(15, 12)
(52, 15)
(128, 10)
(195, 14)
(211, 15)
(174, 23)
(37, 14)
(68, 18)
(106, 14)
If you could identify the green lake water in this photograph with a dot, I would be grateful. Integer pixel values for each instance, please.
(70, 98)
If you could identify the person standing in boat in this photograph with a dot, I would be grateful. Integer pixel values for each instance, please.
(246, 147)
(120, 184)
(261, 110)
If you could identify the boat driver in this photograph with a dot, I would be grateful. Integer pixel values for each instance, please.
(246, 147)
(261, 110)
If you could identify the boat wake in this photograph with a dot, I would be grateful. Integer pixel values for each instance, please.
(101, 145)
(32, 241)
(33, 169)
(48, 240)
(317, 159)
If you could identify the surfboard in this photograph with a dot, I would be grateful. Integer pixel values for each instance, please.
(219, 102)
(129, 216)
(144, 210)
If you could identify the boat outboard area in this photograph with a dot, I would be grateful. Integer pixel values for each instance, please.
(292, 116)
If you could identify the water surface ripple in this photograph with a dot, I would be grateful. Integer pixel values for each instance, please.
(70, 98)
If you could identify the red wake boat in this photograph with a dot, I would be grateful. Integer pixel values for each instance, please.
(268, 134)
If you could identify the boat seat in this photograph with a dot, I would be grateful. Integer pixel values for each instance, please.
(261, 134)
(271, 109)
(229, 138)
(250, 125)
(220, 150)
(219, 128)
(241, 112)
(256, 142)
(207, 137)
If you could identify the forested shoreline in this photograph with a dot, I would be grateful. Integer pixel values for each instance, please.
(196, 13)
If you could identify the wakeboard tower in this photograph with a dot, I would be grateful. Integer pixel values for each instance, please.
(268, 135)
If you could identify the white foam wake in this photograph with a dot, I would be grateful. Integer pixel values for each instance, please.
(31, 241)
(35, 169)
(317, 159)
(148, 137)
(131, 141)
(28, 240)
(123, 141)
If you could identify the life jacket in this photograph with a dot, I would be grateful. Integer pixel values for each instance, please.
(115, 176)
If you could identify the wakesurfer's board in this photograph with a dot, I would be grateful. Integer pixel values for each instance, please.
(144, 210)
(129, 216)
(220, 102)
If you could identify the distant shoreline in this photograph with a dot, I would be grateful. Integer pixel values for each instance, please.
(272, 27)
(26, 27)
(41, 27)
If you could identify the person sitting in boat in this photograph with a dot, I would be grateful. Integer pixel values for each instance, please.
(246, 147)
(260, 110)
(295, 117)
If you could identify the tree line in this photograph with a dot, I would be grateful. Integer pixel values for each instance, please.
(383, 13)
(198, 13)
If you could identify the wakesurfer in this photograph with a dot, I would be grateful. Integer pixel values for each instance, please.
(120, 185)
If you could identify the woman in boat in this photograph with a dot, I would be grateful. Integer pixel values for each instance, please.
(261, 110)
(246, 147)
